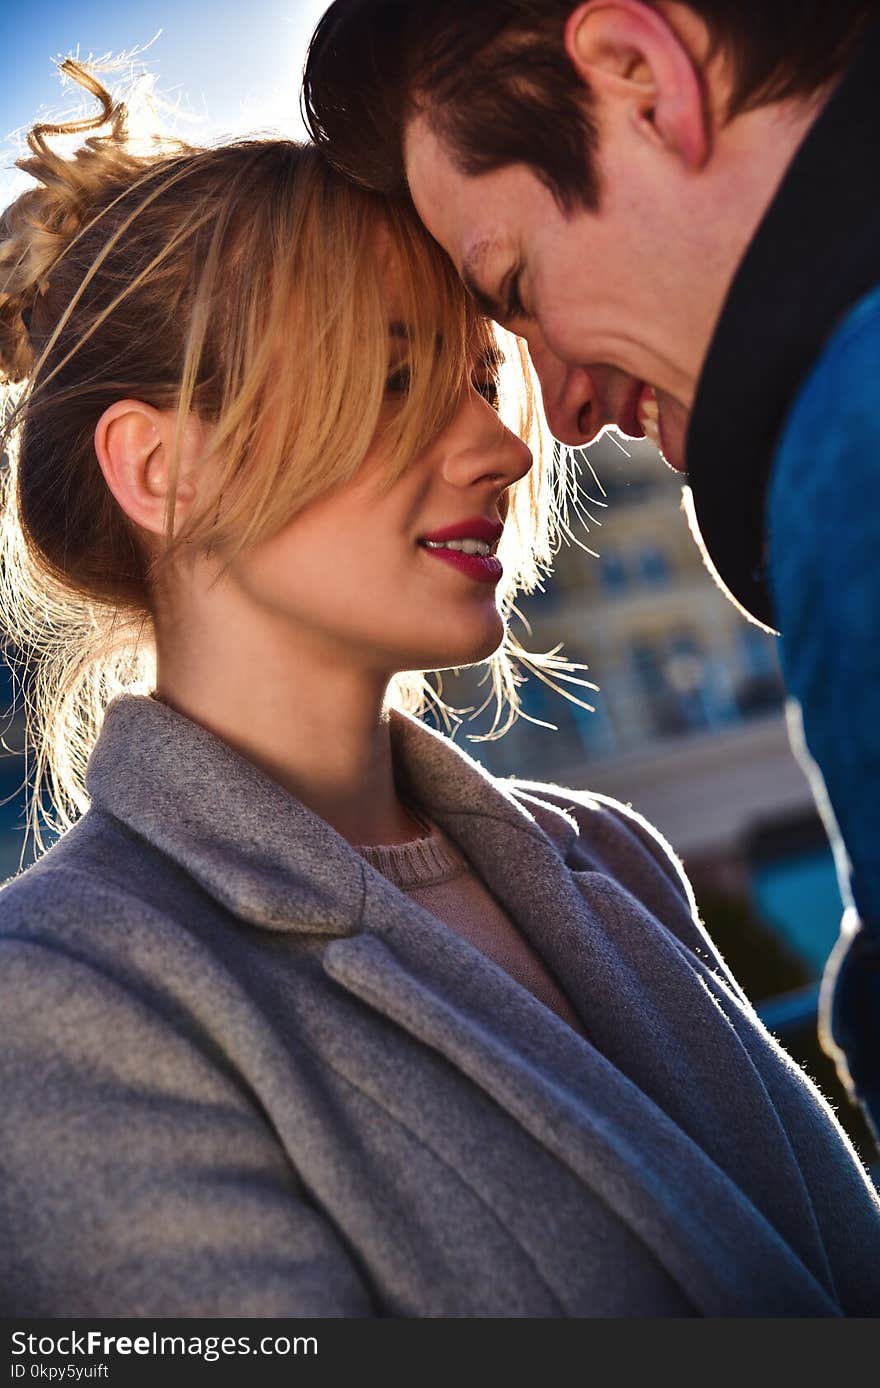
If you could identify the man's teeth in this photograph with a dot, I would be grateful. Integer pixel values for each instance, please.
(466, 546)
(649, 418)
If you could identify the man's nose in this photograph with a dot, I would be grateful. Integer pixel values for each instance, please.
(479, 448)
(571, 400)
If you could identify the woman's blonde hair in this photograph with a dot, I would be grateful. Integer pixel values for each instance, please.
(215, 281)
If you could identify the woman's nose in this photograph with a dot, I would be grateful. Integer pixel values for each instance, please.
(478, 447)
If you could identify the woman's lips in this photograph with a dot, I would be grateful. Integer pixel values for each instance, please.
(484, 568)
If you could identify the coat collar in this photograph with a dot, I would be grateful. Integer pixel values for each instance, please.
(251, 844)
(815, 254)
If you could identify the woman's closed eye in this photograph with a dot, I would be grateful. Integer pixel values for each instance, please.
(399, 381)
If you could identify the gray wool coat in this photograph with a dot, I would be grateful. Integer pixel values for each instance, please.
(244, 1075)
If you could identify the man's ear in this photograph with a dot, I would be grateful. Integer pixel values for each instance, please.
(626, 51)
(134, 444)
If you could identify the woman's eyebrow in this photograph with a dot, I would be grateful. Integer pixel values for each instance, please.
(490, 356)
(403, 332)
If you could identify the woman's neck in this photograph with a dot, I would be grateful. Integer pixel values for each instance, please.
(302, 713)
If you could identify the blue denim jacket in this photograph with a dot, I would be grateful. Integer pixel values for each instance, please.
(823, 527)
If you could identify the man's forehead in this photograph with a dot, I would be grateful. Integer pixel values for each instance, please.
(446, 199)
(427, 162)
(427, 172)
(458, 209)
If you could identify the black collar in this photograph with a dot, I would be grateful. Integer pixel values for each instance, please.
(814, 255)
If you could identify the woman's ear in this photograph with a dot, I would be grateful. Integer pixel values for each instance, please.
(627, 52)
(134, 444)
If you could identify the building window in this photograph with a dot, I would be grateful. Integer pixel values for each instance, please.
(613, 573)
(679, 685)
(654, 567)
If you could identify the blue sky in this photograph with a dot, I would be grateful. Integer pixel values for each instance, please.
(235, 63)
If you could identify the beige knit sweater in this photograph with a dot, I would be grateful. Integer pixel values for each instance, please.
(435, 873)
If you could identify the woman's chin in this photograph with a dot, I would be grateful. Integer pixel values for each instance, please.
(470, 649)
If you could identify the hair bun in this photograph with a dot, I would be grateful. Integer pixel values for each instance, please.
(27, 251)
(16, 351)
(39, 227)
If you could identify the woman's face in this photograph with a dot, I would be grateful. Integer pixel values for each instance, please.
(363, 574)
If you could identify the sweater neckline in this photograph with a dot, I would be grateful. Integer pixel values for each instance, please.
(422, 862)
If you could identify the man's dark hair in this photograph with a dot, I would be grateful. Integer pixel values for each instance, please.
(496, 83)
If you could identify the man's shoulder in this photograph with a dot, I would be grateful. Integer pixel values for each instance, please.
(857, 331)
(822, 522)
(836, 412)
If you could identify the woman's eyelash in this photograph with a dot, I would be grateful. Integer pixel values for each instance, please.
(398, 382)
(488, 390)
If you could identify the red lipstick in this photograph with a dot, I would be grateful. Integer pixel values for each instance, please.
(483, 568)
